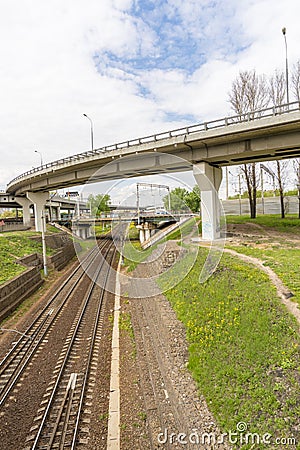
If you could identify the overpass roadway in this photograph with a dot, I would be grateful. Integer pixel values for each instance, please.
(272, 133)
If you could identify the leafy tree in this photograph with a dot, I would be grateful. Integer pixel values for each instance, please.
(193, 199)
(183, 200)
(177, 199)
(98, 204)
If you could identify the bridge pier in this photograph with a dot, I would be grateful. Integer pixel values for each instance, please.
(145, 231)
(209, 179)
(39, 200)
(25, 203)
(54, 212)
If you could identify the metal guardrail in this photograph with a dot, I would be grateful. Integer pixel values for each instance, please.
(204, 126)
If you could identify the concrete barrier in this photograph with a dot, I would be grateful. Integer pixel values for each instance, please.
(14, 291)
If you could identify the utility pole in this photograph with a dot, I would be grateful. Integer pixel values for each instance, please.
(262, 189)
(240, 193)
(227, 183)
(44, 244)
(138, 202)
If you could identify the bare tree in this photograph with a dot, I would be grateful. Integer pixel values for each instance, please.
(296, 80)
(277, 91)
(248, 95)
(277, 88)
(249, 171)
(281, 166)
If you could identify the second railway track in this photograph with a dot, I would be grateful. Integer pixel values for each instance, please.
(62, 418)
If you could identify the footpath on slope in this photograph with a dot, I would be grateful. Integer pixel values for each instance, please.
(155, 382)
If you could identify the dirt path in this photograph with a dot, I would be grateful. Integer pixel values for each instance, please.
(283, 293)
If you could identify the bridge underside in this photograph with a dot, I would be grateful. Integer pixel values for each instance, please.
(268, 138)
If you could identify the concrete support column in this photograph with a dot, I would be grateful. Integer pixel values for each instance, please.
(147, 231)
(54, 212)
(39, 200)
(25, 203)
(141, 233)
(209, 179)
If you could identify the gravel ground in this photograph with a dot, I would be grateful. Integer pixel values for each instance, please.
(16, 418)
(157, 380)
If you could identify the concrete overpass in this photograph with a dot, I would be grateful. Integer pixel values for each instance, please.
(272, 133)
(54, 204)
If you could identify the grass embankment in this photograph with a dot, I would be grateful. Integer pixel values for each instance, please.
(242, 347)
(14, 245)
(278, 253)
(100, 230)
(291, 224)
(132, 251)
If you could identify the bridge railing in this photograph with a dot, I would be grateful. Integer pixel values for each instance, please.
(204, 126)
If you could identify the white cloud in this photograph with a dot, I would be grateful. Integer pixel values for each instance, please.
(50, 52)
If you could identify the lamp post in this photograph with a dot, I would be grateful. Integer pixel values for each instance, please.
(286, 66)
(36, 151)
(92, 130)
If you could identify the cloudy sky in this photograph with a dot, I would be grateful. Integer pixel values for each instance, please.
(135, 67)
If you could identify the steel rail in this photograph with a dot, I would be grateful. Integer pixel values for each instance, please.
(93, 338)
(34, 344)
(50, 302)
(85, 304)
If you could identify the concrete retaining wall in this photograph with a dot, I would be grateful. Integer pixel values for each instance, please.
(13, 292)
(33, 260)
(65, 247)
(62, 257)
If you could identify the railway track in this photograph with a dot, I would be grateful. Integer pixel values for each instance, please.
(62, 420)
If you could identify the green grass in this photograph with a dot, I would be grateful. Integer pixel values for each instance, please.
(100, 230)
(134, 254)
(243, 346)
(291, 224)
(14, 245)
(284, 261)
(282, 257)
(184, 230)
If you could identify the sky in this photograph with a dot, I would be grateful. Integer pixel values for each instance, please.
(135, 67)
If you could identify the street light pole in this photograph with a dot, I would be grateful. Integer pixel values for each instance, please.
(36, 151)
(286, 66)
(92, 130)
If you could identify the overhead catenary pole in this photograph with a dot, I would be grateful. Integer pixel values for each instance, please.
(227, 183)
(138, 202)
(44, 244)
(262, 189)
(151, 185)
(240, 193)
